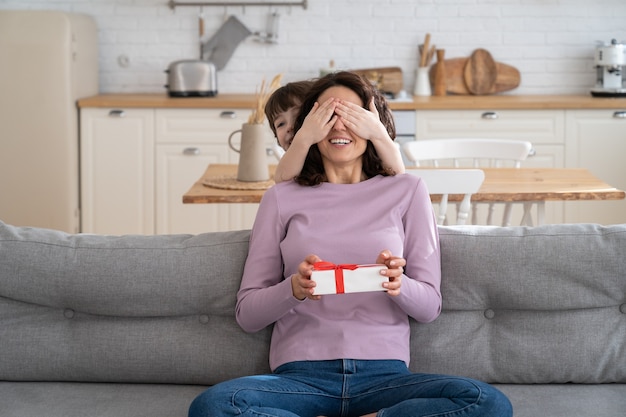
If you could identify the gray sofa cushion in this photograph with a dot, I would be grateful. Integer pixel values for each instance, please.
(79, 399)
(529, 305)
(566, 400)
(52, 399)
(153, 309)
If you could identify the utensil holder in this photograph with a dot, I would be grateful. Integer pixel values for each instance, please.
(422, 82)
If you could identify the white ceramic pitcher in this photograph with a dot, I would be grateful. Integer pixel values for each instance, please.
(252, 153)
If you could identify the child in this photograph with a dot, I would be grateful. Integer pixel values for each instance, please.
(282, 109)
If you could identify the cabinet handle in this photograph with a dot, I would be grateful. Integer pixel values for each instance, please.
(489, 115)
(191, 151)
(619, 115)
(228, 114)
(117, 113)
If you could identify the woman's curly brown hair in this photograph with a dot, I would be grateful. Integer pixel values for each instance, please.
(313, 170)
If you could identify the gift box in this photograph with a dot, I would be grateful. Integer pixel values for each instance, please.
(347, 278)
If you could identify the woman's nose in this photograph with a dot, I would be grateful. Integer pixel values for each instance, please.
(339, 124)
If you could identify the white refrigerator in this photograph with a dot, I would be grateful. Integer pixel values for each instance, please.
(48, 60)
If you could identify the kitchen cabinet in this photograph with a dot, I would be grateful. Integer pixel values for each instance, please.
(178, 166)
(136, 164)
(543, 128)
(596, 140)
(117, 171)
(187, 140)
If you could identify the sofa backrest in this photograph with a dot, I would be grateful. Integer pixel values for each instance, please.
(529, 305)
(131, 308)
(521, 305)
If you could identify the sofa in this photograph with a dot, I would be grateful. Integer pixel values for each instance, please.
(129, 326)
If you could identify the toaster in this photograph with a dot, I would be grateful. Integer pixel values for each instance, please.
(191, 78)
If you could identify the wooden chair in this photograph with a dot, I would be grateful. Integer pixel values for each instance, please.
(475, 153)
(451, 181)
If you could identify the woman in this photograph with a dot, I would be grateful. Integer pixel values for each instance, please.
(282, 109)
(346, 354)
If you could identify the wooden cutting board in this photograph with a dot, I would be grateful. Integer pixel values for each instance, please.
(507, 77)
(479, 72)
(387, 79)
(455, 84)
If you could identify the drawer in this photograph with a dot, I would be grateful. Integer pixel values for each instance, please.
(198, 125)
(536, 126)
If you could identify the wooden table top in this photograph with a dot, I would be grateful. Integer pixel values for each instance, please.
(500, 185)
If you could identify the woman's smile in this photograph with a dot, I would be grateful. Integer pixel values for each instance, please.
(340, 141)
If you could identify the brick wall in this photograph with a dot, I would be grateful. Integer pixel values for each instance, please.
(551, 41)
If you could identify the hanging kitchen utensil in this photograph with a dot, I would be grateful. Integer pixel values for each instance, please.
(221, 46)
(480, 72)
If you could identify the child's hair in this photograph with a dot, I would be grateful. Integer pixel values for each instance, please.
(285, 97)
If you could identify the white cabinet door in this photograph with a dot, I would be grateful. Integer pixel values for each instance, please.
(178, 167)
(203, 132)
(117, 171)
(545, 129)
(596, 140)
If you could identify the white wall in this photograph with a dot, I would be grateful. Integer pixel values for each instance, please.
(550, 41)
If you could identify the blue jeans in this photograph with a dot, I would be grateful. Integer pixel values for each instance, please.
(350, 388)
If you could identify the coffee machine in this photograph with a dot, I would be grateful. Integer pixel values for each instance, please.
(610, 61)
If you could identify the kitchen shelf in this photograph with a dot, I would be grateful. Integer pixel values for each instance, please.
(173, 4)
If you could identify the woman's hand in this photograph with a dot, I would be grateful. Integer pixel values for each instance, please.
(363, 123)
(395, 266)
(301, 284)
(317, 123)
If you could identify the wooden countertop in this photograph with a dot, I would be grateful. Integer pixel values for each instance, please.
(450, 102)
(230, 101)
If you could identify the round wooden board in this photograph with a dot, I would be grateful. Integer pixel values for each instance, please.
(480, 72)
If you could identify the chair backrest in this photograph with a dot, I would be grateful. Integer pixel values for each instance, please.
(451, 181)
(277, 151)
(476, 153)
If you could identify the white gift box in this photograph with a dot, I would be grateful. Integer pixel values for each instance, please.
(347, 278)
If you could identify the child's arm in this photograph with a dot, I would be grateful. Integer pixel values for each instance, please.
(315, 127)
(291, 162)
(368, 125)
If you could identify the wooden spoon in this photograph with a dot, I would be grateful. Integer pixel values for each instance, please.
(480, 72)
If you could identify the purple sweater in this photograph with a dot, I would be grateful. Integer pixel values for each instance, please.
(341, 223)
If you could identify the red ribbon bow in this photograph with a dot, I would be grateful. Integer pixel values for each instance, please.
(328, 266)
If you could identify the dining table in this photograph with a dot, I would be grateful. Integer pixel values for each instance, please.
(218, 184)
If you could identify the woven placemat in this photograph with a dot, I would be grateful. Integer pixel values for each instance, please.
(230, 182)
